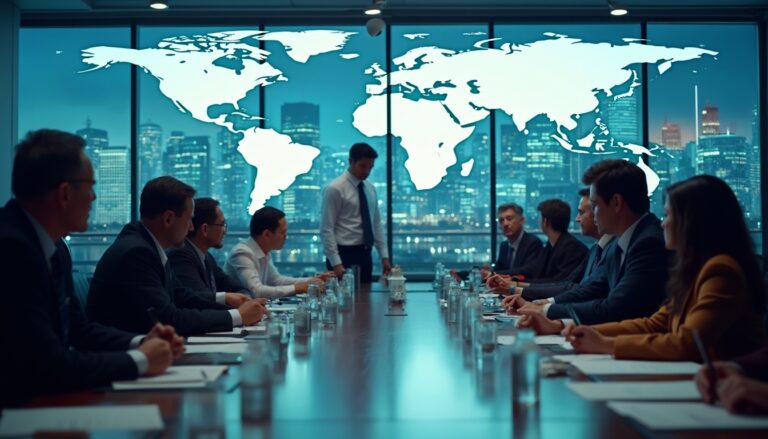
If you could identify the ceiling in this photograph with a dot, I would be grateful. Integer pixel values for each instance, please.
(393, 8)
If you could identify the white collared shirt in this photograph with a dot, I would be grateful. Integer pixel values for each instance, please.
(49, 248)
(342, 223)
(248, 263)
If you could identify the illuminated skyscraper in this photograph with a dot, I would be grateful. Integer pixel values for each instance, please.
(150, 152)
(670, 135)
(233, 180)
(547, 165)
(302, 201)
(188, 160)
(727, 156)
(710, 121)
(95, 141)
(113, 206)
(510, 168)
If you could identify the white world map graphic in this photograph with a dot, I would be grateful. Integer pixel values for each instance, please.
(441, 94)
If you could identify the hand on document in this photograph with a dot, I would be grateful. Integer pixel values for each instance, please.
(252, 311)
(586, 340)
(168, 334)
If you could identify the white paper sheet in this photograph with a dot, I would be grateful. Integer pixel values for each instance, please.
(245, 330)
(637, 390)
(686, 416)
(16, 422)
(282, 308)
(213, 340)
(540, 340)
(219, 348)
(631, 367)
(176, 377)
(582, 357)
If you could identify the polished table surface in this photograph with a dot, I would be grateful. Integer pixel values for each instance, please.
(374, 375)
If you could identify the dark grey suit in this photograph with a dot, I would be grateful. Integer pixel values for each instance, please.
(526, 256)
(131, 289)
(191, 272)
(41, 356)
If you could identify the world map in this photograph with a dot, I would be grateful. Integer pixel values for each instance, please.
(438, 95)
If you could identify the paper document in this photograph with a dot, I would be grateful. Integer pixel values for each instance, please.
(245, 330)
(630, 367)
(540, 340)
(637, 390)
(211, 340)
(18, 422)
(218, 348)
(282, 308)
(582, 357)
(686, 416)
(176, 377)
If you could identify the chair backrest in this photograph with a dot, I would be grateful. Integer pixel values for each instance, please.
(81, 283)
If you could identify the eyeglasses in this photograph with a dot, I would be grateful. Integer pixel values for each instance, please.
(222, 225)
(91, 183)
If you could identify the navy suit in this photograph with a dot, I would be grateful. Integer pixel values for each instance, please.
(578, 276)
(42, 353)
(526, 256)
(192, 274)
(131, 289)
(557, 262)
(619, 291)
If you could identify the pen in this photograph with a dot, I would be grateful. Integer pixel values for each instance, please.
(205, 375)
(711, 373)
(572, 314)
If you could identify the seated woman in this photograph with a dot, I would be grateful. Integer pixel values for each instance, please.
(714, 287)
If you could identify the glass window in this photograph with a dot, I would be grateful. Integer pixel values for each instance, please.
(441, 147)
(55, 91)
(704, 115)
(576, 100)
(314, 105)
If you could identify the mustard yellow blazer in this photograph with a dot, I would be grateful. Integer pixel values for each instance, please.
(719, 306)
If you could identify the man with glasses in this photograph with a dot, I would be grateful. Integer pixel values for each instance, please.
(194, 266)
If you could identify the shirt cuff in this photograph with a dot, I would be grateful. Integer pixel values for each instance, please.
(551, 300)
(546, 309)
(136, 341)
(221, 298)
(334, 260)
(237, 320)
(142, 364)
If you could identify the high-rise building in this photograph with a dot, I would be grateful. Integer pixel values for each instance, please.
(150, 152)
(233, 180)
(547, 166)
(510, 167)
(671, 136)
(302, 201)
(622, 118)
(95, 140)
(189, 161)
(710, 121)
(727, 156)
(171, 146)
(754, 167)
(113, 208)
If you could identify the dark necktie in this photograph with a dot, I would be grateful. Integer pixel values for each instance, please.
(511, 256)
(596, 260)
(365, 214)
(209, 273)
(59, 285)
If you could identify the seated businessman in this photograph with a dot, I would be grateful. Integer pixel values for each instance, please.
(194, 266)
(50, 346)
(632, 282)
(134, 286)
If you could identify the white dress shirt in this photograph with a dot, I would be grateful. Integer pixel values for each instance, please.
(342, 223)
(237, 319)
(248, 263)
(49, 248)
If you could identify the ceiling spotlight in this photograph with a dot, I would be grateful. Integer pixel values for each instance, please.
(158, 4)
(375, 8)
(616, 9)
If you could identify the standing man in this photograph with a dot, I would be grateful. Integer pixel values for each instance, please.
(351, 224)
(194, 266)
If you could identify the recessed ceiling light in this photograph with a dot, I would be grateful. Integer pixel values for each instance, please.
(617, 10)
(158, 4)
(373, 10)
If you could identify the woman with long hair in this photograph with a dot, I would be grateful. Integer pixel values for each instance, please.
(715, 287)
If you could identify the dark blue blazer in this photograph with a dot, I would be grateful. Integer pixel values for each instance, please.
(526, 256)
(190, 272)
(580, 275)
(36, 359)
(131, 289)
(618, 291)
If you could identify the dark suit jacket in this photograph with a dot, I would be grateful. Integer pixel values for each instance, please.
(190, 272)
(622, 291)
(526, 256)
(580, 275)
(36, 359)
(755, 365)
(556, 263)
(131, 288)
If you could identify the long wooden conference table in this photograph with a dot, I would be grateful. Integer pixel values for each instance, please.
(374, 375)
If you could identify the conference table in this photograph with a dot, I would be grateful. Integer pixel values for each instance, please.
(374, 375)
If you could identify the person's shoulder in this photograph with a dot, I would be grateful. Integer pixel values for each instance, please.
(337, 182)
(241, 248)
(719, 265)
(531, 238)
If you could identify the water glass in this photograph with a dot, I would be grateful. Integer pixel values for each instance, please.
(256, 383)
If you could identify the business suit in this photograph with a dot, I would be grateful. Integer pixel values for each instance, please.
(131, 288)
(719, 306)
(43, 354)
(191, 272)
(619, 291)
(526, 256)
(580, 275)
(557, 262)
